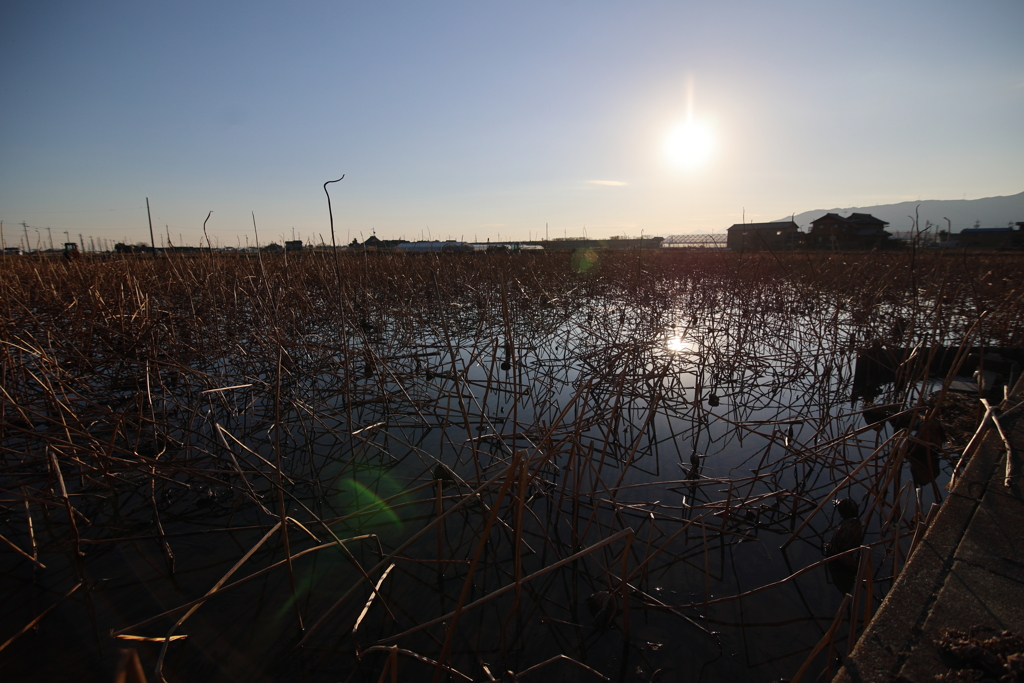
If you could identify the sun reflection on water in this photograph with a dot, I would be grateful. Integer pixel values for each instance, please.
(680, 344)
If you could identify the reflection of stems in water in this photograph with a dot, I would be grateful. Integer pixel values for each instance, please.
(229, 379)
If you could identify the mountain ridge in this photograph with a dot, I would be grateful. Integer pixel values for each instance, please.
(989, 212)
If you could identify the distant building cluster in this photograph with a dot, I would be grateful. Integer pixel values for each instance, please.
(451, 246)
(831, 231)
(858, 231)
(862, 231)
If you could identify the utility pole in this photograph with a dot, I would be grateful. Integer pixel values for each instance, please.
(27, 243)
(152, 241)
(81, 241)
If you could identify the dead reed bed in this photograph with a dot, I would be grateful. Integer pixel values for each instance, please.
(596, 466)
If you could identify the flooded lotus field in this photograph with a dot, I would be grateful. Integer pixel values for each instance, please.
(594, 466)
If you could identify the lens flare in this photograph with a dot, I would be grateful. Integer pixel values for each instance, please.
(366, 505)
(583, 260)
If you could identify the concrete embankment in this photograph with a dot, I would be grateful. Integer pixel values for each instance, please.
(967, 571)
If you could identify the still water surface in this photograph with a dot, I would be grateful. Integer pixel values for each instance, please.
(704, 434)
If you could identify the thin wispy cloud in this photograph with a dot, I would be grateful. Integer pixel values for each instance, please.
(614, 183)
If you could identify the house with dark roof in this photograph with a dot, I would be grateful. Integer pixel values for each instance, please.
(856, 231)
(374, 243)
(991, 238)
(758, 236)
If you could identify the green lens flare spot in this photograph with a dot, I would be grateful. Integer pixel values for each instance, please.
(583, 260)
(364, 506)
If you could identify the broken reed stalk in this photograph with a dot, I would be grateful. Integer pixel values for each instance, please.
(229, 586)
(975, 441)
(30, 625)
(826, 640)
(67, 504)
(209, 593)
(391, 664)
(164, 545)
(129, 667)
(450, 631)
(209, 246)
(625, 533)
(21, 552)
(562, 658)
(386, 560)
(1007, 446)
(282, 511)
(334, 243)
(369, 600)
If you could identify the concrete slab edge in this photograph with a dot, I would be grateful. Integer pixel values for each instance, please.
(896, 629)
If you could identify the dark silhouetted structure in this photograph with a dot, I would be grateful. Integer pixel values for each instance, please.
(574, 243)
(856, 231)
(758, 236)
(991, 238)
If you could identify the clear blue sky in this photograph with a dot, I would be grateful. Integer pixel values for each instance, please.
(479, 119)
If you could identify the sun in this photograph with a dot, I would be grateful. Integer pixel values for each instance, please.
(690, 145)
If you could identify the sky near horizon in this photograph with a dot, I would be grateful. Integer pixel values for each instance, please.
(476, 120)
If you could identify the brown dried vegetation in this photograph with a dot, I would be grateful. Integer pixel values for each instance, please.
(346, 466)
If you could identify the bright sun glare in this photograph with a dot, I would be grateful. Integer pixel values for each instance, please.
(689, 145)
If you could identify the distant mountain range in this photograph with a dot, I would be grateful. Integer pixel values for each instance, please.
(990, 212)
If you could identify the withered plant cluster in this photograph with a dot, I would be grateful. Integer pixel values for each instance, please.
(598, 466)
